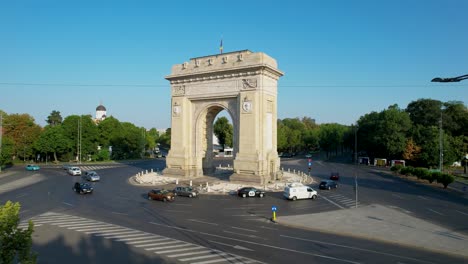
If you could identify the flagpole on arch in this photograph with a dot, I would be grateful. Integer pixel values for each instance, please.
(221, 46)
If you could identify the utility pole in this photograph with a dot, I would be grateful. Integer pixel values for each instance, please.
(1, 134)
(357, 165)
(441, 144)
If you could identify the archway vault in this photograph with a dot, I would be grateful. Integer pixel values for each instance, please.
(245, 85)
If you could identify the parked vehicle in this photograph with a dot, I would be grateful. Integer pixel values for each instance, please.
(32, 167)
(161, 195)
(296, 191)
(74, 171)
(185, 191)
(92, 176)
(328, 185)
(250, 192)
(82, 187)
(335, 176)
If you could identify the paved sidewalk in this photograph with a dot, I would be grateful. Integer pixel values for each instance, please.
(384, 224)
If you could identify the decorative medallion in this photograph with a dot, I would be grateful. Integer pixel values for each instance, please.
(178, 90)
(247, 105)
(176, 109)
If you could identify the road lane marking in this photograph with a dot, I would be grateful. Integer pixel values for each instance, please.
(434, 211)
(67, 204)
(21, 195)
(143, 241)
(179, 250)
(119, 213)
(190, 253)
(461, 212)
(356, 248)
(245, 229)
(270, 228)
(422, 197)
(251, 236)
(157, 244)
(136, 238)
(330, 201)
(203, 222)
(233, 246)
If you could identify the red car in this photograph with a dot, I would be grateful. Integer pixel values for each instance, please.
(334, 176)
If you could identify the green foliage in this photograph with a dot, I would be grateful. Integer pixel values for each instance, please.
(102, 155)
(52, 140)
(22, 130)
(223, 131)
(445, 179)
(420, 173)
(407, 171)
(15, 243)
(396, 168)
(54, 118)
(435, 175)
(165, 139)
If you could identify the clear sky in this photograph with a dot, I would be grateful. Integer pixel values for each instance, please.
(341, 58)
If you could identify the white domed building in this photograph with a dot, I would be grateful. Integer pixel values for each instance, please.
(101, 113)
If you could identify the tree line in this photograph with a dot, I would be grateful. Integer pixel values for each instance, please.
(414, 134)
(77, 137)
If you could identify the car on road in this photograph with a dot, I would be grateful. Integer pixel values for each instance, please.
(161, 195)
(92, 176)
(74, 171)
(32, 167)
(83, 187)
(308, 155)
(185, 191)
(335, 176)
(328, 185)
(250, 192)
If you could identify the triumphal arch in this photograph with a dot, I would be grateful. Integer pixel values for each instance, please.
(243, 83)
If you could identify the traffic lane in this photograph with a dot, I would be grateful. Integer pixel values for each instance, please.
(422, 201)
(59, 245)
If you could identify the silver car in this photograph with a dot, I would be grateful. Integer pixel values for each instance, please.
(185, 191)
(92, 176)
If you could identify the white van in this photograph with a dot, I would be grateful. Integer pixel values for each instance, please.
(296, 191)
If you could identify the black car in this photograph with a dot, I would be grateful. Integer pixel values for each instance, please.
(185, 191)
(83, 187)
(328, 184)
(250, 192)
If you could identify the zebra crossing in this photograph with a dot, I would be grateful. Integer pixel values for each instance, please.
(342, 200)
(98, 167)
(171, 248)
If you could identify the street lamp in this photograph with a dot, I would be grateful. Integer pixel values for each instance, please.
(451, 79)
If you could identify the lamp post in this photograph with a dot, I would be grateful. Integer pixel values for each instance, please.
(450, 79)
(357, 164)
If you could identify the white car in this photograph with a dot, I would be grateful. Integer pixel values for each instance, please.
(296, 191)
(74, 171)
(92, 176)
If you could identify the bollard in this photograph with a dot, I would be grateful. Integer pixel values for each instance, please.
(146, 171)
(176, 181)
(294, 171)
(228, 165)
(151, 170)
(289, 169)
(190, 183)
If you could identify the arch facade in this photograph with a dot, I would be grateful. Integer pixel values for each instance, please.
(245, 85)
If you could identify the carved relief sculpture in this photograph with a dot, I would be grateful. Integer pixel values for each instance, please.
(249, 83)
(178, 90)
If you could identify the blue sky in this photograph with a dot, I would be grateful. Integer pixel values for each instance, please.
(342, 59)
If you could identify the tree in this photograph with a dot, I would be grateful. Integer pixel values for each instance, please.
(15, 243)
(165, 138)
(108, 129)
(129, 144)
(223, 131)
(23, 131)
(411, 150)
(54, 118)
(425, 112)
(52, 140)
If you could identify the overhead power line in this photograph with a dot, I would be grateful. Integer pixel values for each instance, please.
(164, 85)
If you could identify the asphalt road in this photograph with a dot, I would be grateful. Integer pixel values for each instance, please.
(211, 228)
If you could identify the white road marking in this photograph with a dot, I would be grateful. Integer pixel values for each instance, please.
(355, 248)
(139, 234)
(330, 201)
(157, 244)
(229, 232)
(270, 228)
(396, 195)
(67, 204)
(180, 250)
(119, 213)
(88, 224)
(217, 260)
(422, 197)
(107, 233)
(189, 254)
(21, 195)
(233, 246)
(167, 247)
(117, 228)
(203, 222)
(245, 229)
(176, 211)
(461, 212)
(148, 237)
(434, 211)
(204, 257)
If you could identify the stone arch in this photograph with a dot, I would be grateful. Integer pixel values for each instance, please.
(245, 85)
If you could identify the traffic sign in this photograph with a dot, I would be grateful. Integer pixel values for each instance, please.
(273, 208)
